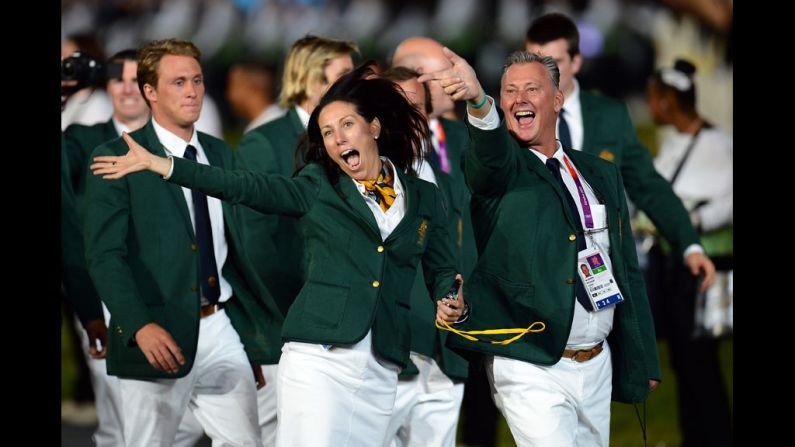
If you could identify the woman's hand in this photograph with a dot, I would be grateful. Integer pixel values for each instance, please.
(448, 310)
(136, 159)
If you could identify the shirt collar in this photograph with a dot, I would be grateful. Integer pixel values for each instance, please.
(572, 104)
(302, 115)
(174, 144)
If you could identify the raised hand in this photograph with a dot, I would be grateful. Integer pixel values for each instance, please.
(459, 81)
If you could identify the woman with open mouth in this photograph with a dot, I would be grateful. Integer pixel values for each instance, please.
(368, 223)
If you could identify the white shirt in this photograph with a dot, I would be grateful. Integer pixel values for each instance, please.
(387, 221)
(269, 114)
(587, 328)
(120, 127)
(175, 146)
(87, 107)
(707, 175)
(303, 115)
(573, 115)
(425, 171)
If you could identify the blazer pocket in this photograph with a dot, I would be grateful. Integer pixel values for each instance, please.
(324, 304)
(517, 297)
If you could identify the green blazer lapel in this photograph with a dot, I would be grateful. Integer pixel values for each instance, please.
(295, 121)
(412, 202)
(354, 199)
(152, 143)
(539, 168)
(108, 131)
(587, 110)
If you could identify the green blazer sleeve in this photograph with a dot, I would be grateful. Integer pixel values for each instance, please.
(439, 256)
(77, 285)
(632, 340)
(653, 194)
(267, 193)
(489, 160)
(609, 129)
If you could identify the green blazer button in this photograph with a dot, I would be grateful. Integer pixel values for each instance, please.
(569, 280)
(193, 289)
(572, 237)
(119, 332)
(380, 249)
(376, 283)
(193, 247)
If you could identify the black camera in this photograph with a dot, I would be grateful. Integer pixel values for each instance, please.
(84, 69)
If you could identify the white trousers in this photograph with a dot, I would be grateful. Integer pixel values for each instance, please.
(566, 404)
(341, 397)
(266, 405)
(107, 400)
(426, 408)
(219, 390)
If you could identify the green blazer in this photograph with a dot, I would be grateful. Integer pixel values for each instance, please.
(141, 253)
(425, 338)
(355, 281)
(457, 141)
(77, 287)
(274, 243)
(80, 140)
(77, 142)
(609, 134)
(528, 260)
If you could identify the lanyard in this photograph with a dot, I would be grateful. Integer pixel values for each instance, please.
(586, 206)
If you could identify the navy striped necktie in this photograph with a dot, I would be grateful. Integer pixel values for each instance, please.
(208, 275)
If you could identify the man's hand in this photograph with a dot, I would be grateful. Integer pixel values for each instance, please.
(159, 348)
(259, 378)
(96, 330)
(700, 263)
(459, 81)
(653, 384)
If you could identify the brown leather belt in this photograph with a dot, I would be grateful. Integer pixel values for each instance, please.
(209, 309)
(583, 355)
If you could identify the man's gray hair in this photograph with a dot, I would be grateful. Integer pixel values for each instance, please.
(526, 57)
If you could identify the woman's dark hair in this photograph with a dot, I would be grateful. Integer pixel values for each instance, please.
(403, 128)
(679, 82)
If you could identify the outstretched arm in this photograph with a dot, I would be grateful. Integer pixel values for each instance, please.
(267, 193)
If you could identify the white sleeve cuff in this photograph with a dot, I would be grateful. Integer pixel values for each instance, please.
(489, 122)
(171, 169)
(693, 248)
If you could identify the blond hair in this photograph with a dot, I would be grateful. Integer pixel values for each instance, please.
(305, 65)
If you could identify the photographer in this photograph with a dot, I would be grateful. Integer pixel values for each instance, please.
(83, 98)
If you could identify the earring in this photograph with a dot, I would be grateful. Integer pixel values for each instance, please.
(375, 136)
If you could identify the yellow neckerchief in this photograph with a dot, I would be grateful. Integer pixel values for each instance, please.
(381, 189)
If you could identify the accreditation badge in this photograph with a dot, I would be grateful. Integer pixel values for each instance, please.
(597, 279)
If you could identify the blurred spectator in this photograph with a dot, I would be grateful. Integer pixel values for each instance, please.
(698, 160)
(90, 105)
(251, 93)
